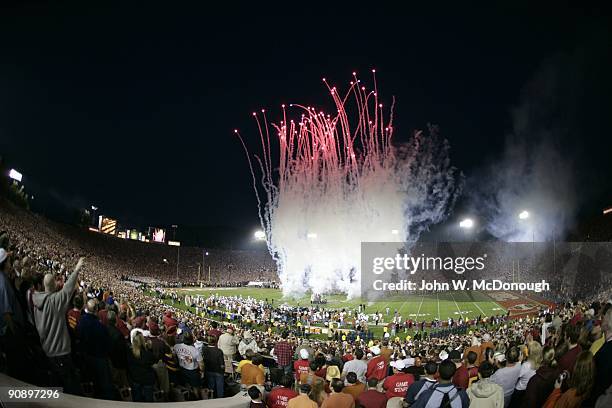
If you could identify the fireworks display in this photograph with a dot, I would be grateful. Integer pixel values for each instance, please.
(337, 180)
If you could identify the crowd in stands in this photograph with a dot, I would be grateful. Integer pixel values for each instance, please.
(70, 318)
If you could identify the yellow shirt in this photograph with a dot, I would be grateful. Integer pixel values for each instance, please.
(243, 362)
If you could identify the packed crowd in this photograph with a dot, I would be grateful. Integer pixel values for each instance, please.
(69, 318)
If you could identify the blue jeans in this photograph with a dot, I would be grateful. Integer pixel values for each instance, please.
(142, 393)
(215, 382)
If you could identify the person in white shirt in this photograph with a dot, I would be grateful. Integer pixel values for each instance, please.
(191, 363)
(508, 375)
(357, 366)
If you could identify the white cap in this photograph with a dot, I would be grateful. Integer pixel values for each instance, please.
(409, 362)
(443, 355)
(375, 350)
(500, 357)
(486, 337)
(304, 354)
(399, 364)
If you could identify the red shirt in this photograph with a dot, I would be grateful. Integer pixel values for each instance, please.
(372, 399)
(279, 397)
(103, 316)
(122, 327)
(377, 368)
(462, 376)
(569, 359)
(300, 367)
(397, 384)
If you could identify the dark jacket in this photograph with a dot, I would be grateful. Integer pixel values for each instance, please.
(95, 340)
(119, 348)
(140, 370)
(540, 386)
(213, 360)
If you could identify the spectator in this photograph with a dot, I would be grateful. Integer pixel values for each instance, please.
(280, 396)
(357, 366)
(140, 370)
(507, 376)
(484, 393)
(542, 383)
(528, 370)
(354, 387)
(302, 400)
(12, 321)
(444, 393)
(214, 367)
(248, 342)
(191, 363)
(397, 384)
(227, 344)
(338, 399)
(256, 398)
(96, 346)
(253, 373)
(118, 351)
(301, 366)
(603, 358)
(580, 382)
(283, 352)
(377, 366)
(423, 384)
(372, 398)
(49, 314)
(568, 360)
(214, 331)
(467, 371)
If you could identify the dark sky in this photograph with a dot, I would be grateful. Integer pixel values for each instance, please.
(132, 108)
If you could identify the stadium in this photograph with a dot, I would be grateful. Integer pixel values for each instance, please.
(332, 252)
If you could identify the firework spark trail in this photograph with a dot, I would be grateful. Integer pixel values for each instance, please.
(342, 182)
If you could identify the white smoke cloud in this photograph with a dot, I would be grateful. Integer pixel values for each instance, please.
(534, 173)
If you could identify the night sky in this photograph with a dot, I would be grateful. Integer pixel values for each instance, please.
(132, 108)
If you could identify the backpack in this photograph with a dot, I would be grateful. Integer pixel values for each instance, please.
(446, 400)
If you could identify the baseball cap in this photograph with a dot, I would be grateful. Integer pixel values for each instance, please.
(375, 350)
(399, 364)
(304, 354)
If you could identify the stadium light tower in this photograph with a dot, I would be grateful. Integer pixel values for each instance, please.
(467, 223)
(523, 215)
(260, 235)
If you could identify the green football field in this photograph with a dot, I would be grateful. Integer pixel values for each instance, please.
(421, 307)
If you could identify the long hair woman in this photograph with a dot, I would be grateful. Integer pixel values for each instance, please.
(140, 370)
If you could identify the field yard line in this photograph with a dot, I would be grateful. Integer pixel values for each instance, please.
(399, 311)
(438, 300)
(421, 304)
(460, 314)
(481, 311)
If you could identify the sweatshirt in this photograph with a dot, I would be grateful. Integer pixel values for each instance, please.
(50, 318)
(485, 394)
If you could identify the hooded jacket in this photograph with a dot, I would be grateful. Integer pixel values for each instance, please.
(486, 394)
(50, 318)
